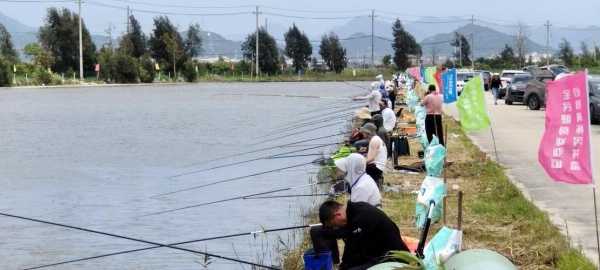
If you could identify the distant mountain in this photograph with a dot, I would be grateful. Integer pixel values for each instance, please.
(358, 48)
(214, 45)
(487, 42)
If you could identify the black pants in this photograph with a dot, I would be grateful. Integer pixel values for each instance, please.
(393, 100)
(375, 173)
(433, 125)
(374, 113)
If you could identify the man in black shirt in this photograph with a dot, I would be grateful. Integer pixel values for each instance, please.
(368, 233)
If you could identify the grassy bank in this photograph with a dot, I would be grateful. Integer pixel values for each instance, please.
(311, 76)
(496, 215)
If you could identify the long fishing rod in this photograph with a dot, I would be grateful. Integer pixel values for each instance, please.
(242, 162)
(253, 233)
(298, 132)
(135, 240)
(232, 199)
(268, 148)
(288, 196)
(308, 123)
(347, 109)
(235, 178)
(337, 105)
(357, 86)
(299, 128)
(299, 155)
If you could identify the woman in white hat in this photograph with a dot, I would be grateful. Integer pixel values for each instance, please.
(361, 186)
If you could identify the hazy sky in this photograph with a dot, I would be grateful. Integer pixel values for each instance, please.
(565, 13)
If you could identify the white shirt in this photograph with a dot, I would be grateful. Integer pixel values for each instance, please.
(381, 157)
(365, 190)
(374, 98)
(389, 119)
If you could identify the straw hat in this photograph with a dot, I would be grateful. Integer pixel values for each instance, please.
(363, 113)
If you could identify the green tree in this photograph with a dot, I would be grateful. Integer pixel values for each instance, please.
(165, 40)
(404, 45)
(507, 56)
(189, 71)
(565, 52)
(333, 53)
(125, 68)
(134, 42)
(147, 70)
(107, 67)
(5, 76)
(174, 49)
(587, 58)
(60, 37)
(463, 48)
(193, 41)
(297, 47)
(386, 60)
(40, 57)
(268, 60)
(7, 49)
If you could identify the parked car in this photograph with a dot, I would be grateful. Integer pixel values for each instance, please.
(553, 69)
(462, 77)
(535, 95)
(516, 90)
(595, 100)
(506, 77)
(487, 77)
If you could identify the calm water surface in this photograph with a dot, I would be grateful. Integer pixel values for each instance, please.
(93, 157)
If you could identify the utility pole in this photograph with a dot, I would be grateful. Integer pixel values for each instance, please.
(257, 30)
(460, 50)
(547, 42)
(267, 24)
(80, 44)
(128, 12)
(473, 43)
(373, 37)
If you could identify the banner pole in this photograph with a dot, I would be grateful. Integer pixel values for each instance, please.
(589, 122)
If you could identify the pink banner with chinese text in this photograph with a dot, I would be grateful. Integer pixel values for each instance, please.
(564, 152)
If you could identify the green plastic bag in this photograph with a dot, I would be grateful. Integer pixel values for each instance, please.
(445, 243)
(433, 190)
(343, 152)
(435, 154)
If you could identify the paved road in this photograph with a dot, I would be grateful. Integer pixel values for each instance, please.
(518, 132)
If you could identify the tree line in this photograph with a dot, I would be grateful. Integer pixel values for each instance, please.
(137, 57)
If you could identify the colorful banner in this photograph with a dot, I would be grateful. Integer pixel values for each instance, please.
(449, 86)
(415, 72)
(471, 106)
(422, 70)
(430, 76)
(438, 81)
(564, 152)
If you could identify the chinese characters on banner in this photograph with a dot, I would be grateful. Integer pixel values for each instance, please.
(564, 152)
(449, 82)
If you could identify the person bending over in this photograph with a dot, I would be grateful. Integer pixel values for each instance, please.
(368, 233)
(376, 153)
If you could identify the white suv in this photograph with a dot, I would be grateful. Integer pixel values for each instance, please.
(506, 77)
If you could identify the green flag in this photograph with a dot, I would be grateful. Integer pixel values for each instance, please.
(471, 106)
(430, 76)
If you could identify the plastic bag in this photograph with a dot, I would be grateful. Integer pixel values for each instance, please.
(343, 152)
(420, 114)
(412, 100)
(435, 155)
(445, 243)
(432, 189)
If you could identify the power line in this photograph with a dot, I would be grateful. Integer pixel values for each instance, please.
(311, 18)
(169, 12)
(182, 6)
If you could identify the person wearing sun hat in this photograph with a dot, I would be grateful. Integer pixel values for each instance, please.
(376, 153)
(361, 116)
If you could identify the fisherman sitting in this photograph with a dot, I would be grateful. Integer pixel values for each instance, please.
(376, 153)
(359, 184)
(368, 233)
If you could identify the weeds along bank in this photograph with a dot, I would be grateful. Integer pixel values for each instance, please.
(495, 214)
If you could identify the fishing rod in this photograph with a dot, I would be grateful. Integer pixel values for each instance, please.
(236, 178)
(339, 120)
(300, 155)
(338, 105)
(308, 123)
(327, 114)
(267, 148)
(242, 162)
(253, 233)
(299, 132)
(135, 240)
(233, 199)
(357, 86)
(288, 196)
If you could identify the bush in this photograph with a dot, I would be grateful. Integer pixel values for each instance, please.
(189, 71)
(5, 78)
(42, 76)
(146, 69)
(125, 69)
